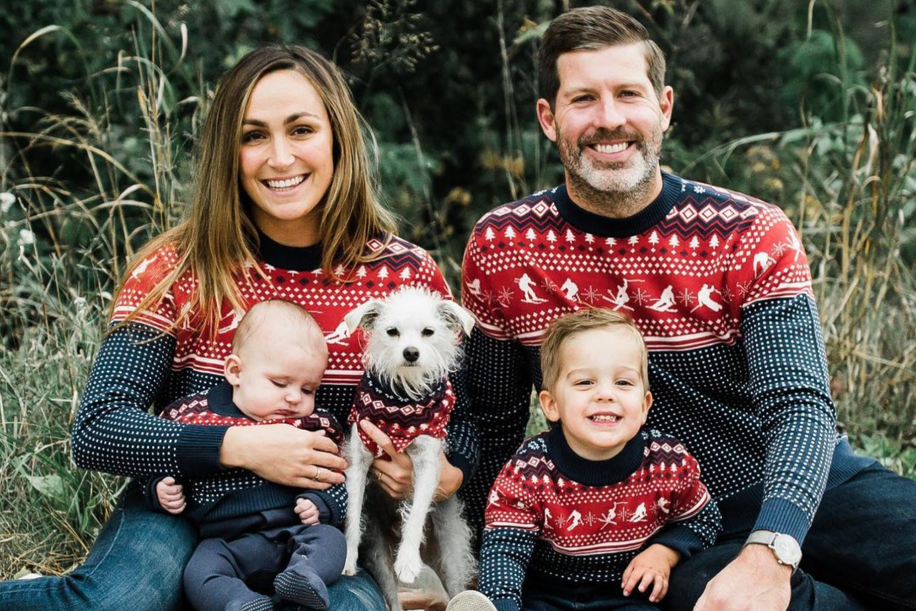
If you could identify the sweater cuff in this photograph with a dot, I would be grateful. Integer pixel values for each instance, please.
(781, 516)
(461, 462)
(505, 604)
(198, 450)
(679, 538)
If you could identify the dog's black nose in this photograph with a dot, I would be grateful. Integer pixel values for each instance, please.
(411, 354)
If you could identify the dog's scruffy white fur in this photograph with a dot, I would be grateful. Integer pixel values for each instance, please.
(413, 339)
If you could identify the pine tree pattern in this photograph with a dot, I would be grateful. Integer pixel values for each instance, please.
(544, 525)
(149, 363)
(735, 349)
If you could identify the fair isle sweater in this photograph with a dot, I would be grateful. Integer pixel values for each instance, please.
(554, 517)
(236, 501)
(147, 363)
(719, 285)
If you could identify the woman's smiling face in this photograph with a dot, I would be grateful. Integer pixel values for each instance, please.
(286, 157)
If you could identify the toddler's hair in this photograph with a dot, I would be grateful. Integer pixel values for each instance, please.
(568, 325)
(294, 316)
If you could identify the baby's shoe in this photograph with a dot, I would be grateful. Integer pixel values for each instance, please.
(303, 586)
(470, 600)
(261, 603)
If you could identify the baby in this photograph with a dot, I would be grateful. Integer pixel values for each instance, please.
(598, 500)
(251, 527)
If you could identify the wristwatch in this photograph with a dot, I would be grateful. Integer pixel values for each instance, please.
(785, 548)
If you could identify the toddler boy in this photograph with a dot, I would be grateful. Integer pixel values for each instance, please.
(595, 512)
(253, 529)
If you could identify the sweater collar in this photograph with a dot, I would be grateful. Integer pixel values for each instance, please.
(595, 472)
(219, 400)
(589, 222)
(395, 395)
(296, 258)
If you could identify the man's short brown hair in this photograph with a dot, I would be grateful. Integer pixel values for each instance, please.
(569, 325)
(589, 29)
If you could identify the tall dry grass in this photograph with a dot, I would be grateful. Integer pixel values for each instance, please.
(849, 186)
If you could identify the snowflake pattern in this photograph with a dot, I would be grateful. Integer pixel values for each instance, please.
(505, 296)
(686, 297)
(591, 294)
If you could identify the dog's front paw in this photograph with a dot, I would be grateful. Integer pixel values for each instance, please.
(408, 566)
(350, 565)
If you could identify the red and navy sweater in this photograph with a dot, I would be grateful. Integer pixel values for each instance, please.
(719, 285)
(235, 500)
(401, 418)
(554, 517)
(148, 363)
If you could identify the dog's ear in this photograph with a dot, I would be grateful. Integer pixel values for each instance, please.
(363, 316)
(456, 317)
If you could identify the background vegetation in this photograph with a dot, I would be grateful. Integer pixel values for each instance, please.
(810, 105)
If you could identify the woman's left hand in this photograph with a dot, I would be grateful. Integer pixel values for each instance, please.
(396, 475)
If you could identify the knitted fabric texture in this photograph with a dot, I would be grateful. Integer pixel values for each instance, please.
(544, 523)
(719, 286)
(402, 419)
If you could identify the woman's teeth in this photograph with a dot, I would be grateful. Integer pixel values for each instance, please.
(285, 184)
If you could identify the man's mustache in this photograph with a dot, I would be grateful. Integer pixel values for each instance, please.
(603, 135)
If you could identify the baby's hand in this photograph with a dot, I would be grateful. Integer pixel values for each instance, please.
(307, 511)
(652, 567)
(171, 495)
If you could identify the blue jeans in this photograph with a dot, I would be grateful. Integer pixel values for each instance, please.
(136, 563)
(537, 596)
(859, 554)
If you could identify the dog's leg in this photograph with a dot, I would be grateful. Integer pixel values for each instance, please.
(424, 452)
(377, 560)
(360, 460)
(453, 535)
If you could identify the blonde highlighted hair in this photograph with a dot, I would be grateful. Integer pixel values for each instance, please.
(218, 239)
(569, 325)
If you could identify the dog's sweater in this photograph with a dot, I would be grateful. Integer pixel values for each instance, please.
(402, 419)
(149, 363)
(719, 285)
(236, 499)
(555, 517)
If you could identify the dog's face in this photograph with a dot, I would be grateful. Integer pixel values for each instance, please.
(413, 337)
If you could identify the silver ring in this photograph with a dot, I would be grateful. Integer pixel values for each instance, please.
(317, 477)
(378, 475)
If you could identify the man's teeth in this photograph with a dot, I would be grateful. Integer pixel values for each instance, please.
(611, 148)
(285, 184)
(604, 418)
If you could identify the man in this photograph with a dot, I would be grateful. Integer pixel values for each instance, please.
(718, 284)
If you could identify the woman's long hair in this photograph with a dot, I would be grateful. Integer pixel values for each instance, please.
(218, 239)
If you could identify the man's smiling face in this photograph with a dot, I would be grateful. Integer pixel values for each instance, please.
(608, 120)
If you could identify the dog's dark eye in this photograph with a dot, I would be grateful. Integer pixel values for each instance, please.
(392, 332)
(427, 332)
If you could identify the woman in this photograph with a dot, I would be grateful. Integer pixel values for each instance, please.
(284, 208)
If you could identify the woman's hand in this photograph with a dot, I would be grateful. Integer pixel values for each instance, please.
(283, 454)
(396, 476)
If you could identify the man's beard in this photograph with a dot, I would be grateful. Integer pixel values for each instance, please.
(614, 189)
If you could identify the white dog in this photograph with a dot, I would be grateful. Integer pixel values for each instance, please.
(412, 344)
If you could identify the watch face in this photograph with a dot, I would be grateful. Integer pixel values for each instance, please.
(787, 550)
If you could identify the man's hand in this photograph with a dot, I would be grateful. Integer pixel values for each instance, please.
(753, 581)
(396, 475)
(307, 511)
(171, 495)
(651, 567)
(283, 454)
